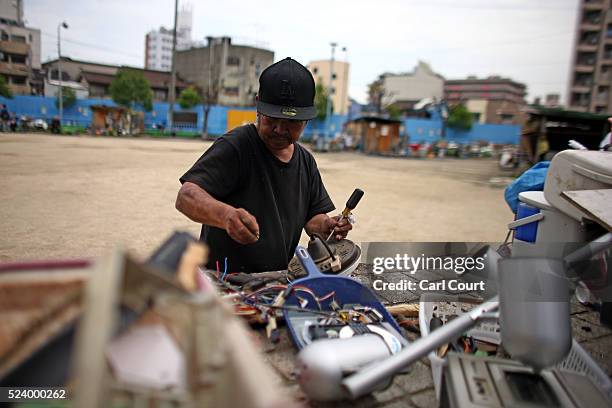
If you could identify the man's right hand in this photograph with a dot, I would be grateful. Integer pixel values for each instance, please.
(241, 226)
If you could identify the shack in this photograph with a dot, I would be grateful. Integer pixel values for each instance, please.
(549, 130)
(375, 135)
(113, 120)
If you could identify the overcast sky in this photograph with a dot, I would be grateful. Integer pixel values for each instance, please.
(526, 40)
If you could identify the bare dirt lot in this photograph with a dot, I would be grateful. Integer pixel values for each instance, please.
(69, 196)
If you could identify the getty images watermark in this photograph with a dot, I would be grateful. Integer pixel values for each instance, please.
(428, 267)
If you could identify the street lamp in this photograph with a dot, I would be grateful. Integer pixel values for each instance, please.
(59, 72)
(329, 91)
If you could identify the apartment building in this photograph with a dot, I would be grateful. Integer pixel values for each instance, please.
(158, 43)
(19, 50)
(590, 78)
(495, 99)
(226, 73)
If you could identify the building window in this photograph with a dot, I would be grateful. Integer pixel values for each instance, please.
(506, 117)
(18, 80)
(18, 59)
(160, 95)
(235, 61)
(232, 91)
(315, 70)
(18, 38)
(334, 76)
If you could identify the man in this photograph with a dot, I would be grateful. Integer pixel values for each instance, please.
(5, 116)
(256, 188)
(607, 140)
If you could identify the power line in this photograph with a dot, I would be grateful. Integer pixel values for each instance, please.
(94, 46)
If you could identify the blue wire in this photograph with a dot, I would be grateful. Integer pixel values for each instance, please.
(224, 270)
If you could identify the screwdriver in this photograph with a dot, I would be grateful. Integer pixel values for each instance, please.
(350, 205)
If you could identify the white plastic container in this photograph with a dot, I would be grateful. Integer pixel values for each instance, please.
(572, 170)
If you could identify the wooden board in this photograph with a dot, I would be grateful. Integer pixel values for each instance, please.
(597, 204)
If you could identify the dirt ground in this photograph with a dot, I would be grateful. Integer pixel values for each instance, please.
(74, 197)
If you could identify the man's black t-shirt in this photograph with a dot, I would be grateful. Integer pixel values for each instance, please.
(239, 170)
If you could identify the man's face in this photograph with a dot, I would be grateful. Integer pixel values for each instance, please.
(279, 134)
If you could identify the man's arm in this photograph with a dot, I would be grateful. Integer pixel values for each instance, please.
(199, 206)
(322, 224)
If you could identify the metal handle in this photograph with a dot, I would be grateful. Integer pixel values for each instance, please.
(525, 221)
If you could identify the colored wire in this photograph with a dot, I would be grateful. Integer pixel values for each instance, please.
(224, 270)
(218, 271)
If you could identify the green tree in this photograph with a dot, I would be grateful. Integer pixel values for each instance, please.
(321, 95)
(68, 97)
(376, 92)
(189, 98)
(394, 112)
(130, 89)
(4, 89)
(460, 118)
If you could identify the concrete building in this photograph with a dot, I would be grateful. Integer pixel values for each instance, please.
(493, 100)
(19, 50)
(591, 70)
(158, 43)
(225, 73)
(340, 81)
(406, 89)
(96, 78)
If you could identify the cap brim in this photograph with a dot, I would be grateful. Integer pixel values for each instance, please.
(287, 112)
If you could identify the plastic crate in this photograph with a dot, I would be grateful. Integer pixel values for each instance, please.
(430, 303)
(578, 361)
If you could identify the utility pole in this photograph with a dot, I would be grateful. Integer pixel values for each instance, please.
(209, 91)
(59, 72)
(172, 91)
(329, 92)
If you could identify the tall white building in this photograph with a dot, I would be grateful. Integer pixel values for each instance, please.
(158, 43)
(339, 85)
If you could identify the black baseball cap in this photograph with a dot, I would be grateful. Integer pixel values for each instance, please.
(287, 91)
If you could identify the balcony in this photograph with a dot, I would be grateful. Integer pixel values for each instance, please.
(584, 68)
(590, 26)
(11, 47)
(601, 101)
(593, 5)
(587, 47)
(8, 68)
(581, 88)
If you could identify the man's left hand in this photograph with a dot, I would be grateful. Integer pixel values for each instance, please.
(340, 227)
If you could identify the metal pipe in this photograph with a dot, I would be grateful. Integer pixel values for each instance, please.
(364, 380)
(589, 250)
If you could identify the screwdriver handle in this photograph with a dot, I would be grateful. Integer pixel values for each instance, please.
(352, 201)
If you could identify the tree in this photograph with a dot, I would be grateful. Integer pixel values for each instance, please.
(321, 96)
(130, 89)
(376, 92)
(460, 118)
(4, 89)
(189, 98)
(68, 97)
(394, 112)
